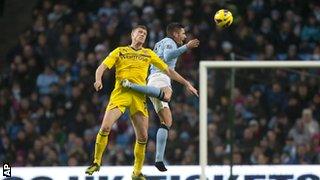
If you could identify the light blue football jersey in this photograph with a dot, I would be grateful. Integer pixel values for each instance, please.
(169, 52)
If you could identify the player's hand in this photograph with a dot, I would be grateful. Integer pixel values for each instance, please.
(192, 90)
(97, 85)
(193, 43)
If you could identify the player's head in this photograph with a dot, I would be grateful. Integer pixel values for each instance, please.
(176, 32)
(139, 34)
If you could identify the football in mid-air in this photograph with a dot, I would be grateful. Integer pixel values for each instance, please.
(223, 18)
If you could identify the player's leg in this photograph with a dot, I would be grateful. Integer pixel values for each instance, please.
(140, 124)
(162, 135)
(167, 93)
(150, 91)
(109, 118)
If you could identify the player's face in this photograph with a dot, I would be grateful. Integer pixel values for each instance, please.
(139, 35)
(180, 36)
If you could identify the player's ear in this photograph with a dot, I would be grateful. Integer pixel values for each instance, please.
(175, 34)
(132, 32)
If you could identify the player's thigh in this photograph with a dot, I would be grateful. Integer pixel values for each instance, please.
(165, 116)
(167, 92)
(140, 123)
(119, 98)
(158, 105)
(138, 104)
(109, 118)
(163, 82)
(159, 80)
(117, 106)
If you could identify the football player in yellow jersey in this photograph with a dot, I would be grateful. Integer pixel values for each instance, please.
(132, 63)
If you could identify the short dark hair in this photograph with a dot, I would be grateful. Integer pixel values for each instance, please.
(139, 26)
(173, 27)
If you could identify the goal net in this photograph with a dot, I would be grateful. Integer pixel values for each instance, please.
(233, 67)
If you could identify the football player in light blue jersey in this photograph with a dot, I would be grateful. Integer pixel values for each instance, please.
(159, 84)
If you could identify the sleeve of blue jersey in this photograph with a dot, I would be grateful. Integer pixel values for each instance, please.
(170, 50)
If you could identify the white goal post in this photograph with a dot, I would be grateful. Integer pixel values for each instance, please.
(204, 65)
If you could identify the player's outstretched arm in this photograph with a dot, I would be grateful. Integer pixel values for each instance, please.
(99, 72)
(177, 77)
(175, 53)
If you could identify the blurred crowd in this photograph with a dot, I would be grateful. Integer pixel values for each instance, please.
(50, 113)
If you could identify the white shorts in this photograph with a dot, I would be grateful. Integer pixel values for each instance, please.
(159, 80)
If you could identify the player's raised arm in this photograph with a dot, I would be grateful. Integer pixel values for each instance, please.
(193, 43)
(171, 53)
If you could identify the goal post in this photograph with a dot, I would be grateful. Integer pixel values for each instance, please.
(203, 68)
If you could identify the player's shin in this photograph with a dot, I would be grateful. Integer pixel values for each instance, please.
(162, 136)
(100, 146)
(139, 153)
(147, 90)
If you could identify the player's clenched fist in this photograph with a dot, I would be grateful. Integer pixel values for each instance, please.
(193, 43)
(97, 85)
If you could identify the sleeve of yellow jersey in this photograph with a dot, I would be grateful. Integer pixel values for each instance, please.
(157, 61)
(111, 59)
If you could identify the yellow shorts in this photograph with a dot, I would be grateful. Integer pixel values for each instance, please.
(126, 98)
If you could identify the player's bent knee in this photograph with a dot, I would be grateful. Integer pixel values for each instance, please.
(105, 129)
(167, 97)
(167, 93)
(165, 126)
(143, 139)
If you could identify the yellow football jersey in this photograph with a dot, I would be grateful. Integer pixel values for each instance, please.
(133, 64)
